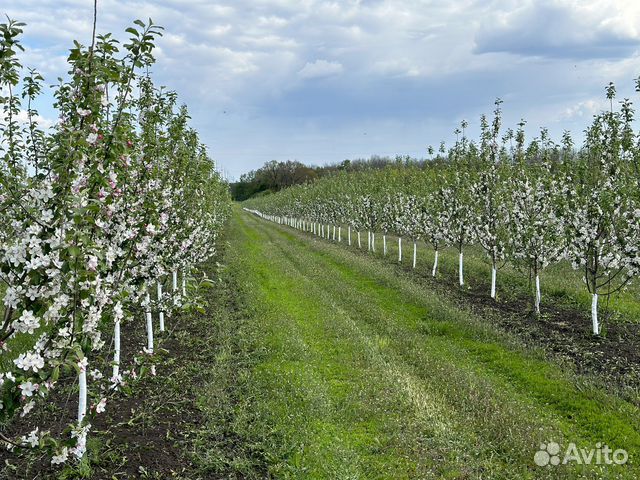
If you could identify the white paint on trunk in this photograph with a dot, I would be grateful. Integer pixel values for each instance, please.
(400, 249)
(415, 250)
(435, 264)
(174, 282)
(368, 240)
(460, 276)
(149, 326)
(349, 234)
(359, 244)
(160, 312)
(594, 314)
(373, 241)
(538, 296)
(339, 234)
(384, 245)
(334, 233)
(184, 283)
(493, 282)
(116, 348)
(82, 395)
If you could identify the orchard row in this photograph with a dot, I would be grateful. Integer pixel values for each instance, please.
(106, 216)
(529, 203)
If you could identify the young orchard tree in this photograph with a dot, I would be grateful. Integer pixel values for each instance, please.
(409, 220)
(535, 230)
(433, 228)
(487, 196)
(593, 206)
(457, 211)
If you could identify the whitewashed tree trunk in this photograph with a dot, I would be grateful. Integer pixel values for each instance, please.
(460, 273)
(493, 281)
(435, 264)
(349, 234)
(160, 312)
(594, 314)
(538, 296)
(334, 233)
(373, 241)
(415, 249)
(116, 349)
(184, 283)
(174, 280)
(149, 325)
(339, 234)
(82, 394)
(384, 245)
(368, 240)
(359, 244)
(399, 249)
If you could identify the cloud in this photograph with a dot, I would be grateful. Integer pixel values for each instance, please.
(284, 79)
(563, 29)
(320, 68)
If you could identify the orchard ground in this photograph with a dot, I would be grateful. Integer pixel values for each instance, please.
(315, 360)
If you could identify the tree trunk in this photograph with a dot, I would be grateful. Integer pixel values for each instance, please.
(538, 296)
(384, 245)
(594, 314)
(399, 249)
(160, 312)
(493, 280)
(359, 244)
(460, 274)
(415, 250)
(116, 349)
(435, 264)
(149, 325)
(82, 395)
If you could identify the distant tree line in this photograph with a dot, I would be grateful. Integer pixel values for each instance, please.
(273, 176)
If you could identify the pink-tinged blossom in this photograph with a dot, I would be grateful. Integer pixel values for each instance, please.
(29, 361)
(92, 263)
(27, 323)
(27, 408)
(61, 457)
(92, 138)
(101, 406)
(82, 364)
(28, 388)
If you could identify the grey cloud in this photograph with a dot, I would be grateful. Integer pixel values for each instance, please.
(555, 30)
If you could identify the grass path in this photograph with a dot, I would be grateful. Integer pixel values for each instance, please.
(357, 372)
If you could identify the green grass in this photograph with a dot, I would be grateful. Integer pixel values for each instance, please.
(560, 283)
(344, 368)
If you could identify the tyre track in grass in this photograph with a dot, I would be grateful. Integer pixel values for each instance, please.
(460, 402)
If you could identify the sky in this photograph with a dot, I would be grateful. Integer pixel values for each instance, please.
(325, 81)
